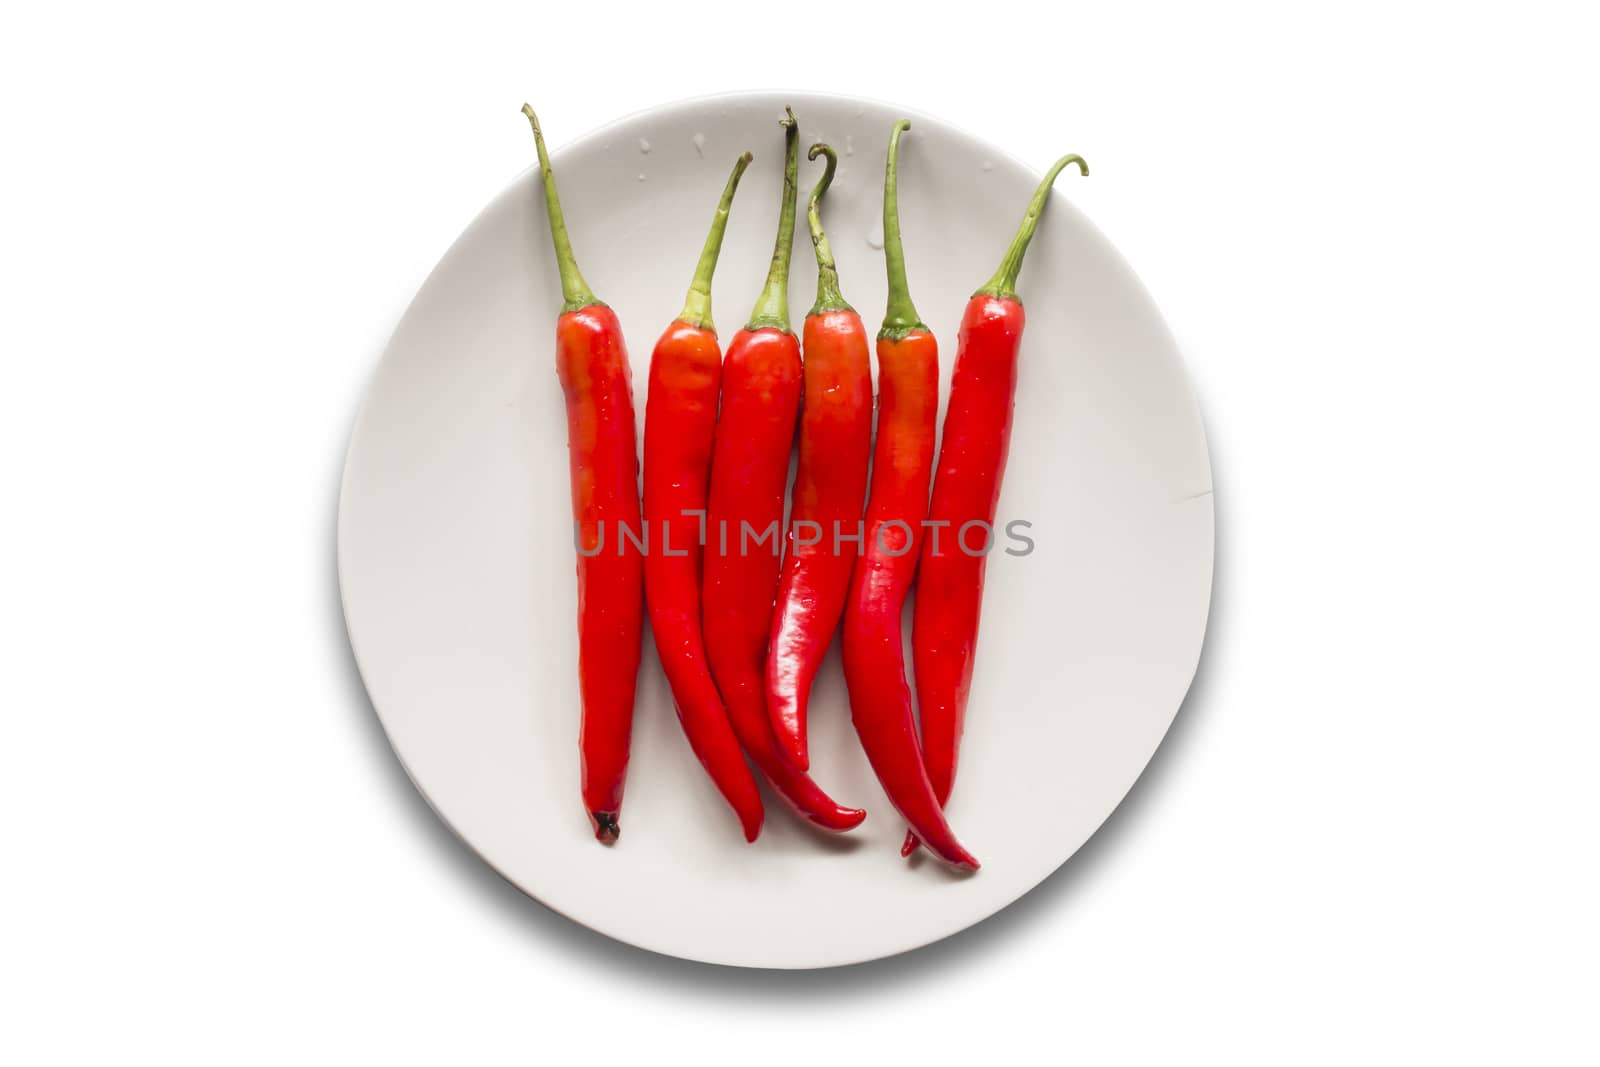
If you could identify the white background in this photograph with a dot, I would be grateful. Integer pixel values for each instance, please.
(1374, 230)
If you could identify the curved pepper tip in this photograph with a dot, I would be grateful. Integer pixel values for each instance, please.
(961, 860)
(845, 819)
(606, 827)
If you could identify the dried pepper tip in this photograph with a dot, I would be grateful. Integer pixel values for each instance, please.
(1003, 286)
(575, 292)
(606, 828)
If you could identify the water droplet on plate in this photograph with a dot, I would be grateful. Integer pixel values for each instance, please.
(849, 145)
(642, 176)
(875, 235)
(699, 141)
(986, 166)
(644, 146)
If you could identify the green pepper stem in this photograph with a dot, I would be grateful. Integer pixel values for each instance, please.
(901, 317)
(828, 296)
(697, 305)
(772, 307)
(575, 292)
(1003, 286)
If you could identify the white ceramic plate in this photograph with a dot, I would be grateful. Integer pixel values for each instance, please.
(456, 565)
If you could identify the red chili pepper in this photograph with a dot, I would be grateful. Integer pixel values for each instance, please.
(602, 451)
(829, 487)
(874, 663)
(680, 421)
(749, 471)
(966, 487)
